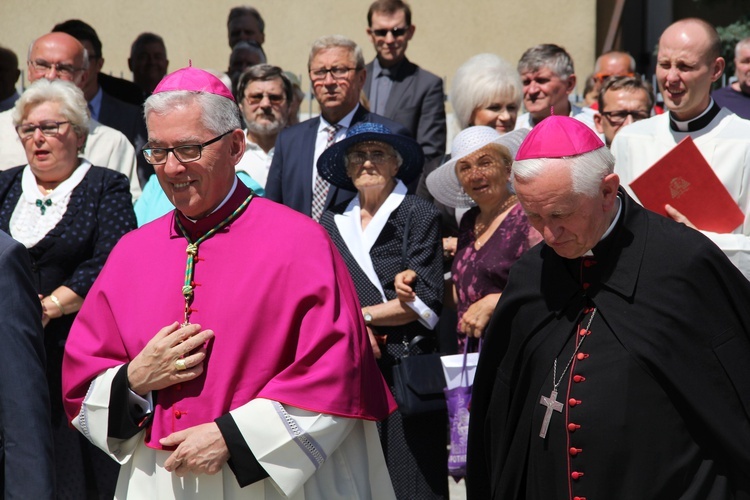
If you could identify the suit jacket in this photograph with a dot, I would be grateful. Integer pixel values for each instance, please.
(664, 382)
(417, 102)
(26, 462)
(121, 89)
(128, 119)
(290, 175)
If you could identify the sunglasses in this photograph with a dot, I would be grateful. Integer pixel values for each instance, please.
(396, 32)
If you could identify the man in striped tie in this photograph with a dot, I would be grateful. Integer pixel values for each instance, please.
(337, 73)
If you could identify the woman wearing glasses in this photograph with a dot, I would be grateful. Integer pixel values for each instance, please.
(69, 214)
(379, 233)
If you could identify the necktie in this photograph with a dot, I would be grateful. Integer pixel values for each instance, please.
(320, 189)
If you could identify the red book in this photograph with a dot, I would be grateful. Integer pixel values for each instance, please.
(685, 180)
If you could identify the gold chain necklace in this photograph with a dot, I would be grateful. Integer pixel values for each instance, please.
(480, 229)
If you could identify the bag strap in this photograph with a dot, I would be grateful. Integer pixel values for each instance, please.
(413, 343)
(464, 373)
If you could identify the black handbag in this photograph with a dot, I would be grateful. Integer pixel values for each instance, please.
(418, 382)
(418, 379)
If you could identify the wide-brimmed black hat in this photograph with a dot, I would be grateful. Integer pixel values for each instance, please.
(331, 165)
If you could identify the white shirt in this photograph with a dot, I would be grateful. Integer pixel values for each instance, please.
(30, 222)
(724, 143)
(583, 115)
(322, 139)
(255, 162)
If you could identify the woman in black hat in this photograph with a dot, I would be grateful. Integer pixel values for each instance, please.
(379, 233)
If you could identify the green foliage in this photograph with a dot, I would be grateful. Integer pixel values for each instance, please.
(730, 35)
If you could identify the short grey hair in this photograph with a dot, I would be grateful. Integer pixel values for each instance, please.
(587, 170)
(331, 41)
(478, 81)
(218, 114)
(70, 98)
(547, 55)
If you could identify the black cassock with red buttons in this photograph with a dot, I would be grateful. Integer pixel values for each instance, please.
(653, 392)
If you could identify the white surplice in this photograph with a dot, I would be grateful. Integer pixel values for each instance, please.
(724, 143)
(307, 455)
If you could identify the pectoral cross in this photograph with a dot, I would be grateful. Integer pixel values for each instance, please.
(551, 403)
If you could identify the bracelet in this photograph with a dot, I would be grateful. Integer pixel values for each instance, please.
(56, 301)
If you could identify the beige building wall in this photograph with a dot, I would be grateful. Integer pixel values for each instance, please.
(448, 32)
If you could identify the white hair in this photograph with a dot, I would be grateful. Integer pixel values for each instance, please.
(339, 41)
(587, 170)
(218, 114)
(70, 98)
(479, 81)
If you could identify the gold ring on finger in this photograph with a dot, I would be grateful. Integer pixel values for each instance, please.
(180, 364)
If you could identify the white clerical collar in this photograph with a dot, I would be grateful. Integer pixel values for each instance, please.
(698, 122)
(226, 199)
(611, 227)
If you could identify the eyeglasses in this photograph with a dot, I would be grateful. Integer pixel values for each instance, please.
(272, 98)
(603, 76)
(618, 117)
(42, 66)
(396, 32)
(48, 128)
(184, 154)
(337, 73)
(357, 158)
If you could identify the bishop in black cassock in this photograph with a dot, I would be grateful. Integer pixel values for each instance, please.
(646, 338)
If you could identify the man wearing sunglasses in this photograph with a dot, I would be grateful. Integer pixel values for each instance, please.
(59, 55)
(622, 101)
(399, 89)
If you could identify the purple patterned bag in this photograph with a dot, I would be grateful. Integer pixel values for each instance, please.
(458, 401)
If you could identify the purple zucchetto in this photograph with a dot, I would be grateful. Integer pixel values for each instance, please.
(557, 137)
(193, 80)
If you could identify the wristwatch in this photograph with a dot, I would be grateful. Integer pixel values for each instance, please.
(368, 317)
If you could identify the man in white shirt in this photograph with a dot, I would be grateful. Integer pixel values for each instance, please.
(688, 62)
(264, 93)
(59, 55)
